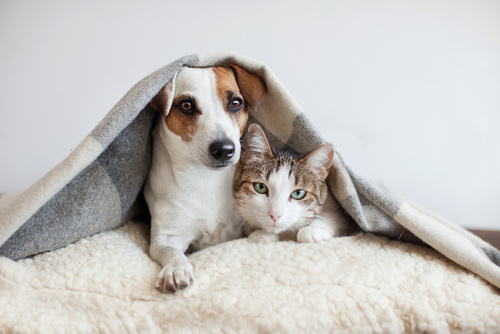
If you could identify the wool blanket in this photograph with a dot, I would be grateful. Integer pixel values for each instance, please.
(94, 188)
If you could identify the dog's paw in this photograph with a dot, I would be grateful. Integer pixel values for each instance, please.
(261, 237)
(176, 275)
(313, 233)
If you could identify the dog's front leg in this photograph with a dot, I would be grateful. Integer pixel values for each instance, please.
(177, 272)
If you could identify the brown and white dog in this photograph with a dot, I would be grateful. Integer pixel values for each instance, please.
(195, 147)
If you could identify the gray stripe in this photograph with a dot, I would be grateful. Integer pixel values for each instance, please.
(113, 180)
(305, 137)
(385, 200)
(353, 207)
(88, 204)
(128, 158)
(380, 197)
(373, 208)
(493, 254)
(372, 219)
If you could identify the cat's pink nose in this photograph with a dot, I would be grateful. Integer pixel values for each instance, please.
(274, 216)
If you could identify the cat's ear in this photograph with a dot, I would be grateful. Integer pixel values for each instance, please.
(255, 142)
(320, 160)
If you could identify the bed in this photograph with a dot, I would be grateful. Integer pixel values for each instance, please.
(74, 247)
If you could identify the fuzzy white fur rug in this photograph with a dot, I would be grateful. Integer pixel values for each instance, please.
(359, 284)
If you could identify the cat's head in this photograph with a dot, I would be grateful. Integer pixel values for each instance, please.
(277, 191)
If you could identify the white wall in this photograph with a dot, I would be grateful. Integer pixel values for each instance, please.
(408, 91)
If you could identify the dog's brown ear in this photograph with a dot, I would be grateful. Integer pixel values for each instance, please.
(252, 87)
(162, 102)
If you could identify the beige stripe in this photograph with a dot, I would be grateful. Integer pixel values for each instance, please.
(15, 214)
(469, 235)
(451, 244)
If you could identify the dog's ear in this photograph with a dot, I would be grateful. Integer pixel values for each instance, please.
(252, 87)
(255, 143)
(162, 102)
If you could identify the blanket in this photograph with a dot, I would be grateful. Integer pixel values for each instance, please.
(359, 284)
(94, 188)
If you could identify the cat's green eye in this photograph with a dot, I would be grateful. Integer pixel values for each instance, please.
(298, 194)
(261, 188)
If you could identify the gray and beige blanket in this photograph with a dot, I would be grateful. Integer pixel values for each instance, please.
(94, 188)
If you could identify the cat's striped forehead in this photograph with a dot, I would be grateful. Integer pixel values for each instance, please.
(262, 168)
(280, 163)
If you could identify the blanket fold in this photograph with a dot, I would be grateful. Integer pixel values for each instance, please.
(94, 187)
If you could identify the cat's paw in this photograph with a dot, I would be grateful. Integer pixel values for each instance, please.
(313, 233)
(261, 237)
(176, 275)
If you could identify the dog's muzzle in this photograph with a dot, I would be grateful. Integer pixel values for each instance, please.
(222, 150)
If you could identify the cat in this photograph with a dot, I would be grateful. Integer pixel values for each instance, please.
(281, 196)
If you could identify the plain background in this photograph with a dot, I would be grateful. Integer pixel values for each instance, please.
(408, 91)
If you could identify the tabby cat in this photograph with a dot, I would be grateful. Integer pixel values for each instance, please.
(281, 196)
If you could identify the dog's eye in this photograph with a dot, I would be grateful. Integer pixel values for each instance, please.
(186, 106)
(235, 104)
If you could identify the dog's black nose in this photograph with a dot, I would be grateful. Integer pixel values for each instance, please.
(222, 149)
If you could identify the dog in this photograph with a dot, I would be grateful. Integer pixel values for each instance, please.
(196, 144)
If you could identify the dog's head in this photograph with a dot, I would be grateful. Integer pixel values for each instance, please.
(205, 111)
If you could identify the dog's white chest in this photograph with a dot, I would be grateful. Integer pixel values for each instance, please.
(223, 225)
(213, 211)
(196, 203)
